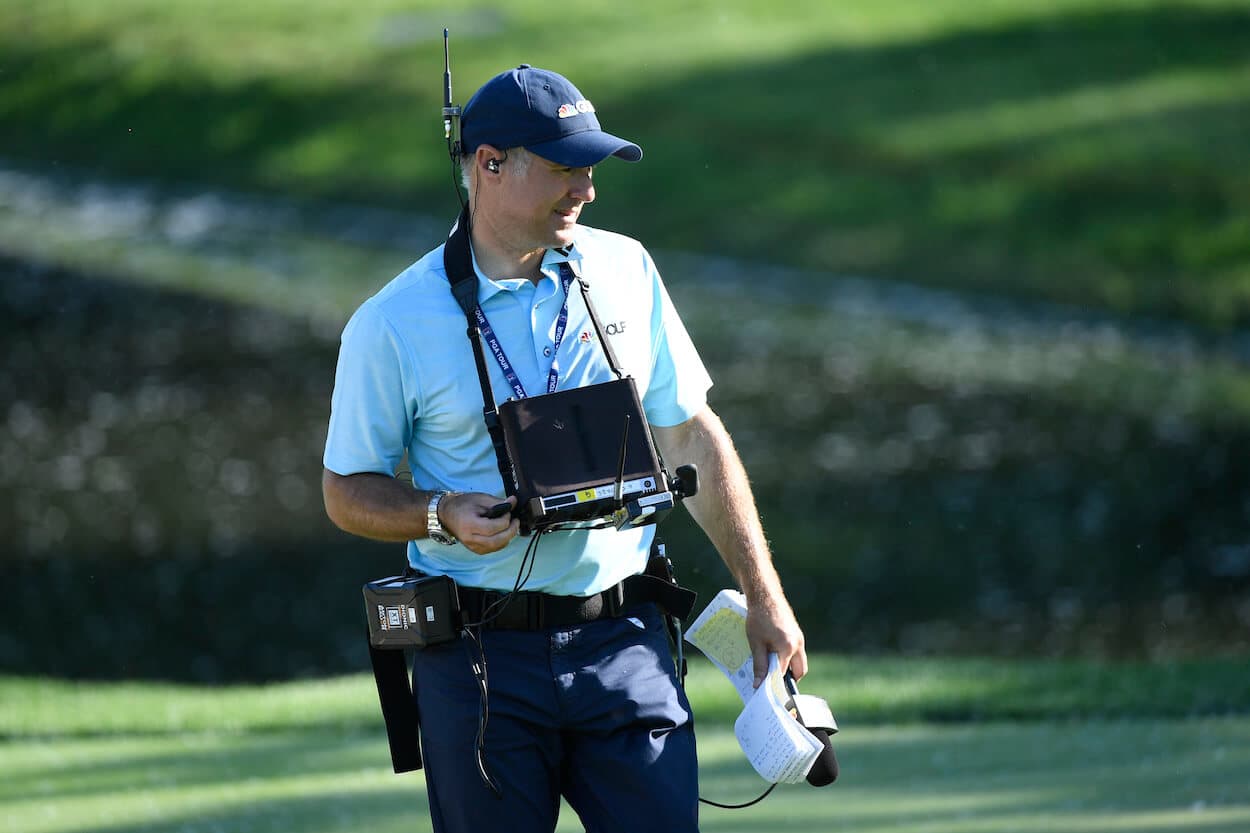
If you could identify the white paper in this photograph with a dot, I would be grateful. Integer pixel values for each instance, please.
(720, 633)
(778, 747)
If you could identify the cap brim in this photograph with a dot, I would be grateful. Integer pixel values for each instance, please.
(590, 147)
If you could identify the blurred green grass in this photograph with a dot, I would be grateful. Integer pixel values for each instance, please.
(1160, 776)
(1127, 751)
(1092, 153)
(861, 691)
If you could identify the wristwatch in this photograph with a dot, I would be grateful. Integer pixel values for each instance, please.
(432, 525)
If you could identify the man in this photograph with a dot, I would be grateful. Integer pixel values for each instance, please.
(589, 710)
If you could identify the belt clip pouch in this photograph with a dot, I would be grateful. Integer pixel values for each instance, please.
(565, 448)
(412, 611)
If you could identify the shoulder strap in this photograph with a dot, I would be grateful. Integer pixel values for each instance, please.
(594, 319)
(458, 261)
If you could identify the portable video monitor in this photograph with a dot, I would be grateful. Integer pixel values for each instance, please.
(572, 452)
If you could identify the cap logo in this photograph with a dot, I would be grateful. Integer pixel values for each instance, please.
(567, 111)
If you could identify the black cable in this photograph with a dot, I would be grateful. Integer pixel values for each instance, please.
(679, 662)
(755, 800)
(456, 173)
(533, 560)
(524, 571)
(478, 664)
(471, 632)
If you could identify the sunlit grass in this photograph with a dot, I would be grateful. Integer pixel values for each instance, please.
(1074, 776)
(1090, 153)
(861, 690)
(1081, 109)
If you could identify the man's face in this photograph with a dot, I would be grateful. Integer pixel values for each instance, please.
(542, 205)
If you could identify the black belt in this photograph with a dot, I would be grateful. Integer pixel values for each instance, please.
(531, 611)
(525, 611)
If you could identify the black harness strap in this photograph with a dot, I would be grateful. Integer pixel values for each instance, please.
(458, 261)
(399, 706)
(594, 319)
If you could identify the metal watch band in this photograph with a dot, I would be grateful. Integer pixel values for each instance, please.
(434, 528)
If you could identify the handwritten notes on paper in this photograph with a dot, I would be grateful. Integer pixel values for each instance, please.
(720, 632)
(776, 745)
(779, 748)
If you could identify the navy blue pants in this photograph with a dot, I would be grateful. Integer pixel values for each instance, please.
(593, 713)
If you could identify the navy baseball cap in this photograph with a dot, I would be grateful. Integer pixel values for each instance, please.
(544, 113)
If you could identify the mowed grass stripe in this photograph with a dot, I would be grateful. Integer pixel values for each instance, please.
(1066, 775)
(860, 690)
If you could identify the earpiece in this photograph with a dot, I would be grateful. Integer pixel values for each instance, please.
(492, 165)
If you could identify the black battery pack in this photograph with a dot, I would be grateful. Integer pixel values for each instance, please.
(412, 611)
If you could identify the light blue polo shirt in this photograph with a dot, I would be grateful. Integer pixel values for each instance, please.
(406, 380)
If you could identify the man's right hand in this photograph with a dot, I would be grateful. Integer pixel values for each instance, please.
(467, 516)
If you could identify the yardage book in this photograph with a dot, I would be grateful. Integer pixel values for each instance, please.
(775, 743)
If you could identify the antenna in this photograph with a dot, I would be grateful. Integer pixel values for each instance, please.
(451, 112)
(620, 475)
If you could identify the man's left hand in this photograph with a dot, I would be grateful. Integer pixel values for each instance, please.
(773, 629)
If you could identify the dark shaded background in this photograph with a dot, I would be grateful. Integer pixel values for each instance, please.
(160, 463)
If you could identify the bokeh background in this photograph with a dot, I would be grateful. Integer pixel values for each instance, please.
(973, 279)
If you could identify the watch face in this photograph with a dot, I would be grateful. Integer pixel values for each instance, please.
(441, 537)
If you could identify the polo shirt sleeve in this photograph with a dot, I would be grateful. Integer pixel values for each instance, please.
(679, 381)
(373, 406)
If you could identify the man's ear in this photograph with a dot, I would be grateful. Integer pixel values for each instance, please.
(488, 158)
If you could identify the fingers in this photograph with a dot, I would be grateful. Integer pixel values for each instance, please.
(485, 542)
(501, 509)
(794, 659)
(773, 629)
(481, 522)
(759, 657)
(798, 663)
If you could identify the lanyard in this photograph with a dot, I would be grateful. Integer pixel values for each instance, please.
(562, 322)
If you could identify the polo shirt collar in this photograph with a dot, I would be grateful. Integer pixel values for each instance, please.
(487, 288)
